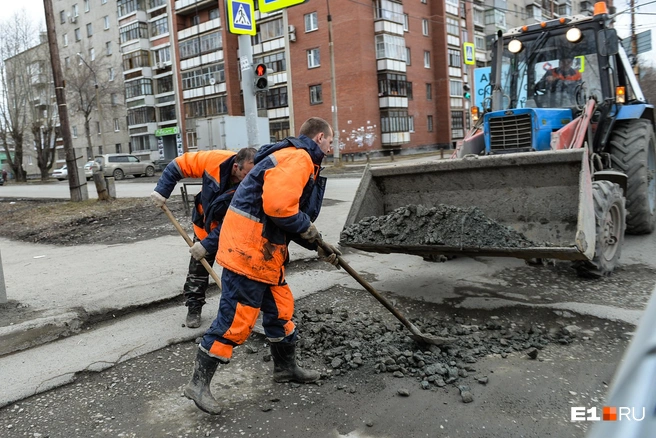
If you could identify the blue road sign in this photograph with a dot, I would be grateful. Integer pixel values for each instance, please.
(482, 87)
(276, 5)
(240, 17)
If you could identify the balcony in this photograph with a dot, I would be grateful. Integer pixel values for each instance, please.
(189, 7)
(200, 28)
(586, 6)
(386, 26)
(395, 138)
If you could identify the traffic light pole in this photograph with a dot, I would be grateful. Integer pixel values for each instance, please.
(247, 86)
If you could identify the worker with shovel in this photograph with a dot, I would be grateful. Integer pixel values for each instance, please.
(276, 203)
(221, 172)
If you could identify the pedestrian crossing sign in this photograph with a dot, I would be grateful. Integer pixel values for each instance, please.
(469, 50)
(241, 20)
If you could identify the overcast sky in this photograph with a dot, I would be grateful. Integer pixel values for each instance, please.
(644, 19)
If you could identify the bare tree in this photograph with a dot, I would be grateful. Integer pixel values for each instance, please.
(18, 35)
(648, 82)
(84, 85)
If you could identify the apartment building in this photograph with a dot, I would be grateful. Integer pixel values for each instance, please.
(88, 40)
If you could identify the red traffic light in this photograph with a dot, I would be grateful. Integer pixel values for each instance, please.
(260, 70)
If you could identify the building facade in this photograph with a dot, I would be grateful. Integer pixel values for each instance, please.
(88, 41)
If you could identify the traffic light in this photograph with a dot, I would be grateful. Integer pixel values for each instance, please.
(261, 80)
(466, 89)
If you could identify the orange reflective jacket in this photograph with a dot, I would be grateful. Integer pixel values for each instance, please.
(276, 202)
(215, 169)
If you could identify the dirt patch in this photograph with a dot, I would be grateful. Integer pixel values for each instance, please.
(444, 225)
(68, 223)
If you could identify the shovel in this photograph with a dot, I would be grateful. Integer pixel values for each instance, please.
(185, 236)
(416, 334)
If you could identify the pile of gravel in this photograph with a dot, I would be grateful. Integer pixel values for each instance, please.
(344, 340)
(444, 225)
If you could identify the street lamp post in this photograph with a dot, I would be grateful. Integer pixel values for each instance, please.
(98, 106)
(333, 89)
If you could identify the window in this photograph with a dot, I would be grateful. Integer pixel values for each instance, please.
(62, 17)
(89, 30)
(102, 2)
(424, 27)
(139, 87)
(411, 123)
(390, 46)
(78, 34)
(118, 145)
(427, 59)
(451, 7)
(74, 131)
(409, 87)
(195, 20)
(67, 62)
(214, 13)
(454, 58)
(274, 62)
(457, 125)
(311, 22)
(65, 36)
(423, 1)
(197, 46)
(86, 5)
(92, 54)
(165, 85)
(455, 88)
(111, 73)
(452, 26)
(429, 92)
(268, 31)
(313, 58)
(200, 77)
(128, 6)
(162, 55)
(167, 113)
(392, 84)
(408, 58)
(114, 99)
(76, 13)
(137, 59)
(108, 48)
(117, 126)
(393, 121)
(315, 94)
(140, 116)
(98, 128)
(106, 18)
(273, 98)
(206, 107)
(159, 27)
(390, 10)
(479, 42)
(429, 123)
(279, 130)
(406, 23)
(134, 31)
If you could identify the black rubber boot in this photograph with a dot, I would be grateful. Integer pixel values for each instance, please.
(193, 316)
(285, 368)
(198, 388)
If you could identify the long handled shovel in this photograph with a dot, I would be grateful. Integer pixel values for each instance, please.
(185, 236)
(416, 335)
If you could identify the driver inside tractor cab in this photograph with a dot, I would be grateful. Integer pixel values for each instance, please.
(560, 83)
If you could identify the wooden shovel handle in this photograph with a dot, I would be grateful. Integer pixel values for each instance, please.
(186, 237)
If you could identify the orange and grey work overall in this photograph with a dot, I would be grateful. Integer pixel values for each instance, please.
(276, 202)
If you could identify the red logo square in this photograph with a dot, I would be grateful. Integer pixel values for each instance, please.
(609, 413)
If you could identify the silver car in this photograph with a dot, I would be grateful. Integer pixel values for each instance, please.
(120, 165)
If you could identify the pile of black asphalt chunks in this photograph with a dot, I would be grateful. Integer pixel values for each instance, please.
(345, 340)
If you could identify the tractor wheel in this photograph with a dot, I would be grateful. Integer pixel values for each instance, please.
(610, 223)
(633, 151)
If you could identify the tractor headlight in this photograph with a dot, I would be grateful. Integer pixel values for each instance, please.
(574, 35)
(515, 46)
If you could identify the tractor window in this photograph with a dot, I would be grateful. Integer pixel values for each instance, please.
(551, 72)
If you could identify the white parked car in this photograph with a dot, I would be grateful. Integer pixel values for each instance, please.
(120, 165)
(61, 174)
(89, 168)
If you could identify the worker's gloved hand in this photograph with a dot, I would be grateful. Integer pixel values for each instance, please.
(311, 234)
(329, 256)
(158, 199)
(198, 251)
